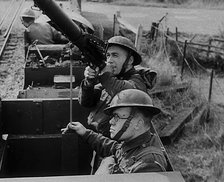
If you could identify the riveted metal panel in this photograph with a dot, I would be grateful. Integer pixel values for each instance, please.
(40, 116)
(56, 114)
(47, 92)
(22, 116)
(33, 155)
(45, 155)
(45, 75)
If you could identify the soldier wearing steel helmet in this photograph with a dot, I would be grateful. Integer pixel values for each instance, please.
(99, 86)
(42, 32)
(133, 147)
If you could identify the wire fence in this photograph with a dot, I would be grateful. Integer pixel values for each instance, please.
(158, 29)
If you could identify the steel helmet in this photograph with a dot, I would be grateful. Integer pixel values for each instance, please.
(127, 43)
(132, 98)
(29, 13)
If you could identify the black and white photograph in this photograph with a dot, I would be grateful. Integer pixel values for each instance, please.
(111, 90)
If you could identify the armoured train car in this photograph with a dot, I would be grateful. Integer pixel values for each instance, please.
(47, 71)
(47, 67)
(32, 147)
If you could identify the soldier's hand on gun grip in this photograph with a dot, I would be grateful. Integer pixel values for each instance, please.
(90, 75)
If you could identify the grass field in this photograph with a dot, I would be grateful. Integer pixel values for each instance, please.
(213, 4)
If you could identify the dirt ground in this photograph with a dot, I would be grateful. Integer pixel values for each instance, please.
(198, 153)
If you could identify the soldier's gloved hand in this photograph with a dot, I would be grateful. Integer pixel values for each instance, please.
(106, 166)
(108, 68)
(75, 126)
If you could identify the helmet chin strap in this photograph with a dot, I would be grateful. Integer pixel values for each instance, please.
(123, 69)
(125, 125)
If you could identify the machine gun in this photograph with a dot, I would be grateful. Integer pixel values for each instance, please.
(92, 48)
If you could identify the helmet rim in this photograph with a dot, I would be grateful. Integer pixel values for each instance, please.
(154, 110)
(132, 98)
(127, 43)
(28, 13)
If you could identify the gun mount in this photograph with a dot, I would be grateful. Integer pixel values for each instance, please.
(91, 47)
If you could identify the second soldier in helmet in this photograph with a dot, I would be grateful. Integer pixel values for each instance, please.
(135, 147)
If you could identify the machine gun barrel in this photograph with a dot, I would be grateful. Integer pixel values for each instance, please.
(91, 47)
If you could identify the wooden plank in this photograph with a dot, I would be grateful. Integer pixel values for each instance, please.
(49, 47)
(133, 177)
(115, 26)
(193, 44)
(63, 81)
(219, 40)
(45, 92)
(172, 130)
(138, 38)
(161, 89)
(170, 133)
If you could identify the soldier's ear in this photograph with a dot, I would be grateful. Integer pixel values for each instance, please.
(131, 60)
(139, 123)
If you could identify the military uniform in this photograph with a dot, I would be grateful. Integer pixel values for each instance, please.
(99, 97)
(142, 154)
(44, 33)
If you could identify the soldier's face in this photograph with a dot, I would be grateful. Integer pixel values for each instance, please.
(120, 115)
(116, 57)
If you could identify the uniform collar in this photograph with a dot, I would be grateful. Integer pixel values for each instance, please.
(138, 141)
(128, 73)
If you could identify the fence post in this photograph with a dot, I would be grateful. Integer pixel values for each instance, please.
(153, 30)
(156, 31)
(167, 34)
(183, 60)
(101, 31)
(176, 34)
(138, 38)
(210, 87)
(118, 13)
(75, 5)
(209, 96)
(209, 48)
(80, 5)
(116, 24)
